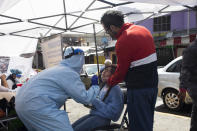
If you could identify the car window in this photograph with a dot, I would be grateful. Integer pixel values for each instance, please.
(176, 67)
(82, 71)
(92, 69)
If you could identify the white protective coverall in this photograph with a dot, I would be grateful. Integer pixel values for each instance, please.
(38, 101)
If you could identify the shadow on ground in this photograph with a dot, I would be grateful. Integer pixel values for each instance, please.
(185, 111)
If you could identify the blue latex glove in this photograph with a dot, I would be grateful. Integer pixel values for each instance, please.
(94, 80)
(78, 51)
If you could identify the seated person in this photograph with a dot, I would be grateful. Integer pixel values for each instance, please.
(107, 63)
(4, 84)
(11, 79)
(108, 105)
(3, 88)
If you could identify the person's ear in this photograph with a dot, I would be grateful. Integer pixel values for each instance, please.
(114, 28)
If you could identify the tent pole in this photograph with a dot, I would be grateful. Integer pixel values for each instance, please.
(53, 25)
(62, 46)
(188, 22)
(96, 50)
(82, 13)
(65, 14)
(16, 19)
(1, 34)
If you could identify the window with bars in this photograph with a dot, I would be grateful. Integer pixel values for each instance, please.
(162, 23)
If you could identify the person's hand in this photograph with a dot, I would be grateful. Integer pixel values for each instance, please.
(12, 91)
(182, 95)
(94, 80)
(89, 106)
(3, 76)
(4, 81)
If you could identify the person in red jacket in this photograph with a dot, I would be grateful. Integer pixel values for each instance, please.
(137, 66)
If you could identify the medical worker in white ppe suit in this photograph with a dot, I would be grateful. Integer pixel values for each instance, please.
(38, 101)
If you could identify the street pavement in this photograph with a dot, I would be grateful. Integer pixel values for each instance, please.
(164, 120)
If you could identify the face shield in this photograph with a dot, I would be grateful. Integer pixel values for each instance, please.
(74, 58)
(70, 51)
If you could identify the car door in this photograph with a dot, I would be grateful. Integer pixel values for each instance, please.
(172, 74)
(169, 76)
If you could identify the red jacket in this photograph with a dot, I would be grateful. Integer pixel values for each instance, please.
(134, 43)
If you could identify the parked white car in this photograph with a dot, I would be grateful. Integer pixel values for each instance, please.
(168, 86)
(88, 71)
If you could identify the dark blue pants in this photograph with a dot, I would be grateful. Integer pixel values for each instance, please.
(192, 90)
(89, 122)
(141, 105)
(194, 118)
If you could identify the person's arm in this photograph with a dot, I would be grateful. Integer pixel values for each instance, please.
(123, 53)
(75, 88)
(188, 66)
(184, 75)
(4, 81)
(10, 84)
(113, 109)
(4, 89)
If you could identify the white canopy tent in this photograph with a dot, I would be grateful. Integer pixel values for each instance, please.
(6, 4)
(23, 22)
(167, 2)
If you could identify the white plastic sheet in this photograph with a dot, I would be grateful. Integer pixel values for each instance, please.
(14, 46)
(23, 64)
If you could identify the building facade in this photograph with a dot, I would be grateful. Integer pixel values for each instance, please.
(172, 33)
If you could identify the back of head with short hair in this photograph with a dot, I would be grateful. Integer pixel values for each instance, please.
(112, 17)
(108, 62)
